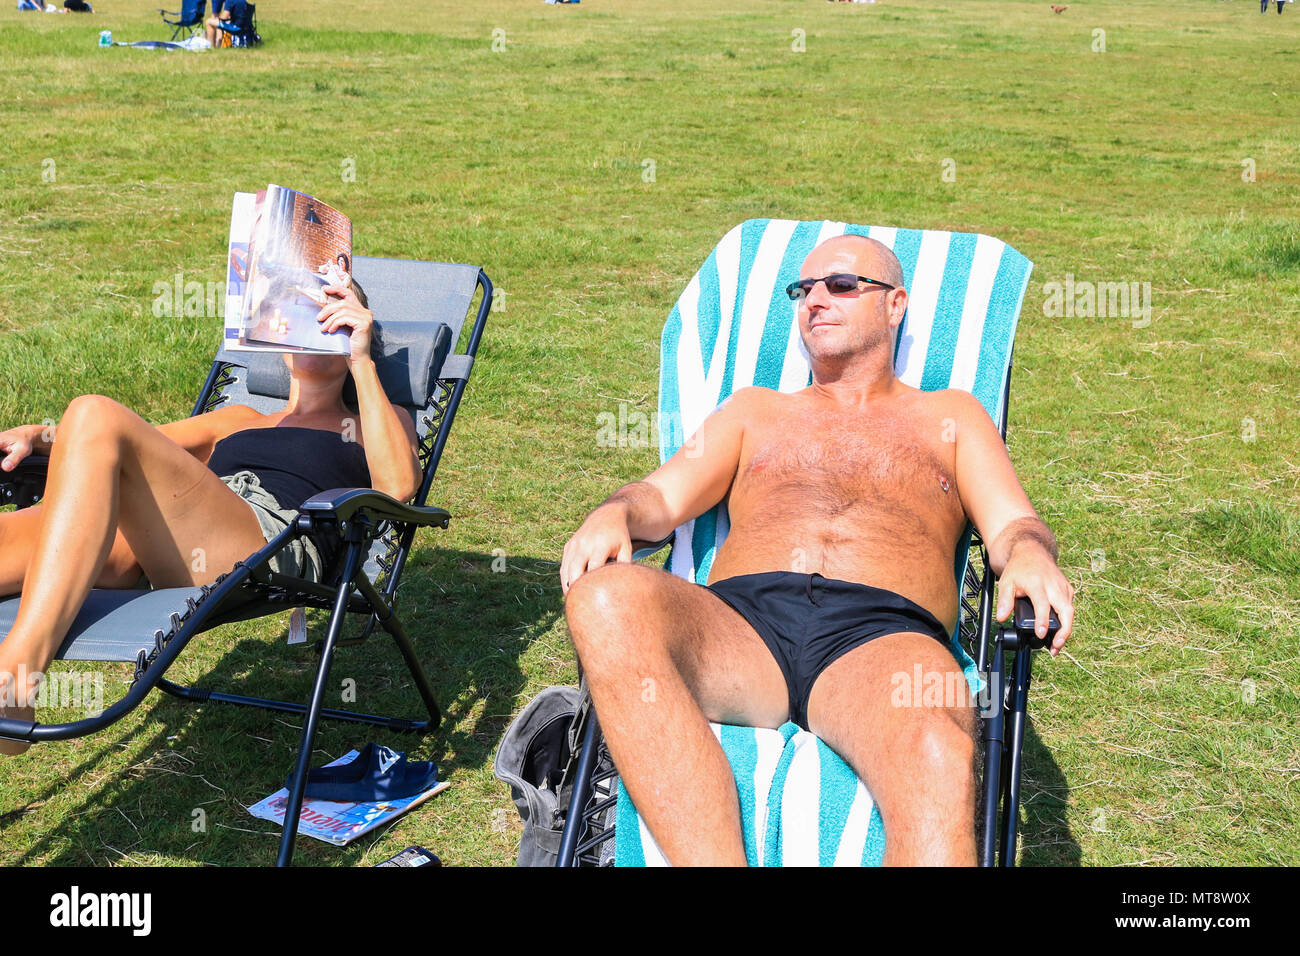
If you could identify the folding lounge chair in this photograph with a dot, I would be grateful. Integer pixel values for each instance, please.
(420, 308)
(189, 17)
(734, 326)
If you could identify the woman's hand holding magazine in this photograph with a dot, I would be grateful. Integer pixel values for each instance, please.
(344, 310)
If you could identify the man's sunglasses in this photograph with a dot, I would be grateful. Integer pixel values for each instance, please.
(841, 283)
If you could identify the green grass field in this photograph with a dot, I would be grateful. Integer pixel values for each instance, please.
(1166, 456)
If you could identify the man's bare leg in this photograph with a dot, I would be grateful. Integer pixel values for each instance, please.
(915, 753)
(110, 470)
(662, 658)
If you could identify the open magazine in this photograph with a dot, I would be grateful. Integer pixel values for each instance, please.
(340, 823)
(285, 248)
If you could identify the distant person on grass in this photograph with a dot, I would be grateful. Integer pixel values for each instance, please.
(230, 18)
(846, 501)
(124, 497)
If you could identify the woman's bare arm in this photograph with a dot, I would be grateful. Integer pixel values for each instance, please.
(389, 435)
(22, 440)
(197, 434)
(388, 432)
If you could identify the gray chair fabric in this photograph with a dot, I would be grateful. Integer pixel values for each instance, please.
(114, 625)
(407, 354)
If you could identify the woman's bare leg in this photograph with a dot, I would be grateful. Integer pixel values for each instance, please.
(18, 530)
(112, 471)
(18, 533)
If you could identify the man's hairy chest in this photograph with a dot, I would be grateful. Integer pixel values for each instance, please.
(840, 465)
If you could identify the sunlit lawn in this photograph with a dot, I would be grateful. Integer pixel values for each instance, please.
(589, 166)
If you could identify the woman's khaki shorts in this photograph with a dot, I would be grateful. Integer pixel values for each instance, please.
(299, 558)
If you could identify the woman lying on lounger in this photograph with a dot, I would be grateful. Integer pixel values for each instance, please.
(183, 502)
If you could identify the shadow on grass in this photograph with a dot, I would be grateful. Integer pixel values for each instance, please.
(184, 798)
(1044, 836)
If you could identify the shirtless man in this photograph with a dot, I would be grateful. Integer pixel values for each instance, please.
(846, 502)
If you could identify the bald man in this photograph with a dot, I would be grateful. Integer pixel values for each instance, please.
(846, 502)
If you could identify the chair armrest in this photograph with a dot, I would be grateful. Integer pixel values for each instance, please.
(644, 549)
(1023, 622)
(24, 485)
(343, 504)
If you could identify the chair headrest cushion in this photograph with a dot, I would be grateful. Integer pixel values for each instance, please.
(408, 355)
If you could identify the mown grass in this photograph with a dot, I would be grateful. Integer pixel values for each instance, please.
(1164, 456)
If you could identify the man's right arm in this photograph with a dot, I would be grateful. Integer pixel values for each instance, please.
(689, 483)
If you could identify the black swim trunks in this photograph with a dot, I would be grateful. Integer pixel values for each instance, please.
(808, 621)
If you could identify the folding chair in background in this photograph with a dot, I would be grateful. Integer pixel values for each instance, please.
(420, 310)
(189, 18)
(734, 326)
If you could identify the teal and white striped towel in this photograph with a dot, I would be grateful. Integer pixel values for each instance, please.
(734, 326)
(800, 805)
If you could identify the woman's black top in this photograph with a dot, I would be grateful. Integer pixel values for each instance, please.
(293, 464)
